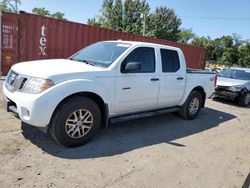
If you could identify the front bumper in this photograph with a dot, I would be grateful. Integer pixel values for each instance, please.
(10, 106)
(226, 94)
(33, 109)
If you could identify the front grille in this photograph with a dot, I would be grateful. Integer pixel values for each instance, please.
(11, 77)
(15, 82)
(221, 88)
(23, 83)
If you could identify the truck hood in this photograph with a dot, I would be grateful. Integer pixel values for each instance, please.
(221, 81)
(47, 68)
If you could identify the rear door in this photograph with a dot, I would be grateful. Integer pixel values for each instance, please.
(172, 79)
(137, 91)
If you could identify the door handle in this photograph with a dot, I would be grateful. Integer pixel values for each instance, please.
(180, 78)
(154, 79)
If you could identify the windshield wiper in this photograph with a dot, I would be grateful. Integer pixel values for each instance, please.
(84, 61)
(88, 62)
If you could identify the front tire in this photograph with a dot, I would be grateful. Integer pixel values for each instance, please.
(76, 121)
(244, 100)
(191, 108)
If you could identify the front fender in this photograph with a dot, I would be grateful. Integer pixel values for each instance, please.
(52, 97)
(70, 87)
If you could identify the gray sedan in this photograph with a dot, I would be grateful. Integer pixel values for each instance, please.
(234, 84)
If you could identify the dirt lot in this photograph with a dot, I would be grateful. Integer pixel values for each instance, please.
(162, 151)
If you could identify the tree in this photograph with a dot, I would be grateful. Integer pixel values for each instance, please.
(133, 16)
(164, 24)
(125, 16)
(228, 50)
(134, 12)
(107, 14)
(58, 15)
(117, 16)
(44, 12)
(93, 22)
(200, 41)
(186, 36)
(244, 55)
(10, 5)
(41, 11)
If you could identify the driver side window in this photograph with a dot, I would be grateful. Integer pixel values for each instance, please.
(143, 55)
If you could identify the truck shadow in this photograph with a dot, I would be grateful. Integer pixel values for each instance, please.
(131, 135)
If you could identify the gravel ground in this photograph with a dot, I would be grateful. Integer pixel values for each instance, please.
(161, 151)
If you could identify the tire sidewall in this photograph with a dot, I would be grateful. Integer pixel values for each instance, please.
(65, 111)
(193, 95)
(242, 100)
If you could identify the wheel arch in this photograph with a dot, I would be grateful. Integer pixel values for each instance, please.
(203, 94)
(188, 91)
(93, 96)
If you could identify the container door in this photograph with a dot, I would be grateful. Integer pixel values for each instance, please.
(9, 41)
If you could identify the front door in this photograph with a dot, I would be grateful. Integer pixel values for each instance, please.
(137, 90)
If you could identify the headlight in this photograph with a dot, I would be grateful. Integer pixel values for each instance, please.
(37, 85)
(235, 88)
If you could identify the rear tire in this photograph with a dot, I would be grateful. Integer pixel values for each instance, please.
(76, 121)
(191, 108)
(244, 100)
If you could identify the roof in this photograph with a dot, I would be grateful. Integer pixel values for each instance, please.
(140, 43)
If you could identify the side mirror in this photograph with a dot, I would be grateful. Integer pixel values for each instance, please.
(131, 67)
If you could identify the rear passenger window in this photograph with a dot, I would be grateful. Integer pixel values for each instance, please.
(143, 55)
(170, 60)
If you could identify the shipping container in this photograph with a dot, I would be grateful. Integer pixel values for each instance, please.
(26, 37)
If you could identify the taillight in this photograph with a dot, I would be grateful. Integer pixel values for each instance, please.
(215, 80)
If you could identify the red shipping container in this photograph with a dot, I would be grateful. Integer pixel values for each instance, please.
(27, 37)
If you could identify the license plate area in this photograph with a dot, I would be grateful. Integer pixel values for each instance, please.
(11, 107)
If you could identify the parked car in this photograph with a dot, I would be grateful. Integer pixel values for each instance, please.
(234, 84)
(74, 97)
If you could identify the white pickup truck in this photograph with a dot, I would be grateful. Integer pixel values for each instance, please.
(74, 97)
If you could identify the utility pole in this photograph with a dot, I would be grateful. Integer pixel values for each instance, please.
(144, 24)
(143, 16)
(16, 8)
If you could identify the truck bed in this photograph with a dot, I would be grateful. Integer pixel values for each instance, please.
(198, 71)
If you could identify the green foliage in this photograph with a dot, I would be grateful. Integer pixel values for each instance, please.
(133, 16)
(44, 12)
(93, 22)
(117, 15)
(228, 50)
(244, 55)
(186, 36)
(41, 11)
(164, 24)
(134, 12)
(58, 15)
(9, 5)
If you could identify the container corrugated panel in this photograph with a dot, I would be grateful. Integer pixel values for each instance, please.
(9, 41)
(46, 38)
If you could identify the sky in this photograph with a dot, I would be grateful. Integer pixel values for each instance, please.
(213, 18)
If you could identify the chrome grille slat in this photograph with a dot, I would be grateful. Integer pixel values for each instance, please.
(15, 82)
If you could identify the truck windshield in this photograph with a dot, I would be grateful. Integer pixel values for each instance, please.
(235, 74)
(101, 54)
